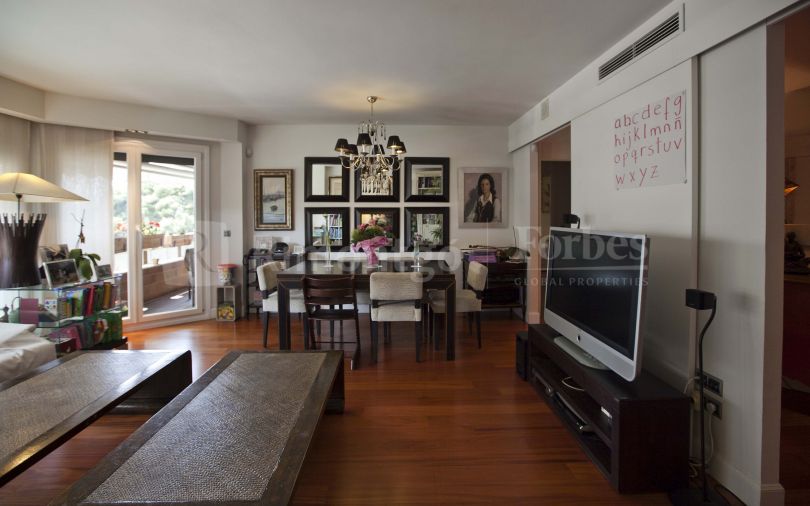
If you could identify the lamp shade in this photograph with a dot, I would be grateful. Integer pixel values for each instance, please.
(25, 187)
(19, 238)
(342, 145)
(363, 139)
(394, 143)
(378, 150)
(352, 149)
(401, 150)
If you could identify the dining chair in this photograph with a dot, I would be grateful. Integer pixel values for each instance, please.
(325, 300)
(467, 300)
(395, 297)
(268, 285)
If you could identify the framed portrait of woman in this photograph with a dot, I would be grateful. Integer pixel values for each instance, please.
(483, 197)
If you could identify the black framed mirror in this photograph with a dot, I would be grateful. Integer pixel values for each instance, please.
(325, 180)
(391, 216)
(319, 220)
(380, 185)
(430, 226)
(427, 179)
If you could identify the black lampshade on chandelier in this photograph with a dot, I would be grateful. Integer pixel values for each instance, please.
(368, 154)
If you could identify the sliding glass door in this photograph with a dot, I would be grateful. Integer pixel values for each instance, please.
(156, 217)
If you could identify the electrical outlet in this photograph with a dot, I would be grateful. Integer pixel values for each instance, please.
(713, 384)
(718, 406)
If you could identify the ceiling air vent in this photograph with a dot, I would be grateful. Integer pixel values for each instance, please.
(671, 26)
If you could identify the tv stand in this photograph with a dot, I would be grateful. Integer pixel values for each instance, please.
(636, 433)
(578, 354)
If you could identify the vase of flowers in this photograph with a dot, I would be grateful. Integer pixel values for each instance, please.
(376, 233)
(327, 241)
(417, 241)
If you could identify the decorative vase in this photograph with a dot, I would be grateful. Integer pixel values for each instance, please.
(371, 257)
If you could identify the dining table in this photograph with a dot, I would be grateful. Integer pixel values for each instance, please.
(435, 275)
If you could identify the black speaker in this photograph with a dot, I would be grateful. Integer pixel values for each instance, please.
(522, 354)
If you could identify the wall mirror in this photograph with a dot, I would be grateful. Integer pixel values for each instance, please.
(377, 184)
(321, 221)
(390, 217)
(429, 226)
(427, 179)
(325, 180)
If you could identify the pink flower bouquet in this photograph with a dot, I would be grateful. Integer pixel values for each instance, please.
(370, 236)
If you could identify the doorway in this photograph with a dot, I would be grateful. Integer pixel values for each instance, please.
(554, 159)
(794, 459)
(156, 224)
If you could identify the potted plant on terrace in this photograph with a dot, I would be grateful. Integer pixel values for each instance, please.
(152, 236)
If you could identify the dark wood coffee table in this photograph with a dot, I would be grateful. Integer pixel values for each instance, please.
(238, 435)
(44, 408)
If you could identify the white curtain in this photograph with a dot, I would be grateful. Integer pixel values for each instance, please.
(14, 151)
(79, 160)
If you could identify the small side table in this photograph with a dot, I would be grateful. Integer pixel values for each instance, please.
(229, 302)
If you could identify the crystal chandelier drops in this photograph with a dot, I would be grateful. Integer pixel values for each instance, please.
(368, 154)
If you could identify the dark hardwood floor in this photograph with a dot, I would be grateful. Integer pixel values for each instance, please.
(462, 432)
(794, 464)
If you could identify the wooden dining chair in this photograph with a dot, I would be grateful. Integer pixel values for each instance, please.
(467, 300)
(268, 285)
(325, 299)
(395, 297)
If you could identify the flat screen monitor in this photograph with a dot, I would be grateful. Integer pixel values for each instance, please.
(595, 287)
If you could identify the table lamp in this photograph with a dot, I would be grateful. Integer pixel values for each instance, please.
(19, 238)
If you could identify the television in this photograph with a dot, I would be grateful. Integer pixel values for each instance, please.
(595, 286)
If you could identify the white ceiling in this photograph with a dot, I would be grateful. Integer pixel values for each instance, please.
(314, 61)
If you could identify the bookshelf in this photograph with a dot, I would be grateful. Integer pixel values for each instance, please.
(85, 315)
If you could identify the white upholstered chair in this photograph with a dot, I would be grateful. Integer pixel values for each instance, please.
(266, 275)
(395, 297)
(467, 300)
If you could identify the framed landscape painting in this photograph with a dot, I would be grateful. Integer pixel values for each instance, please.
(273, 199)
(483, 195)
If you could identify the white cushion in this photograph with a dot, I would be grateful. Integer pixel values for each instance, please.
(466, 302)
(21, 351)
(270, 304)
(363, 298)
(403, 311)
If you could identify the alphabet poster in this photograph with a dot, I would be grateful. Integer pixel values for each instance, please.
(649, 144)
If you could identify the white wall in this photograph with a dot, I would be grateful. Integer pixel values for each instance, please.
(664, 213)
(20, 100)
(707, 24)
(733, 256)
(738, 212)
(285, 146)
(27, 102)
(228, 202)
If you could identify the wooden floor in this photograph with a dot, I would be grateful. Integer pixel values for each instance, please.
(794, 464)
(462, 432)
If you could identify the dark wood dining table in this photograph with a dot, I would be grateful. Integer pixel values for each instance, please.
(435, 274)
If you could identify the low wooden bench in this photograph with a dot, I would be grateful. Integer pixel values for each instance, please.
(44, 408)
(238, 435)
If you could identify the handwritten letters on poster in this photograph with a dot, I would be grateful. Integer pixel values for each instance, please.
(649, 144)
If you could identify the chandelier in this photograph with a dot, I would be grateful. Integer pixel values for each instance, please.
(368, 154)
